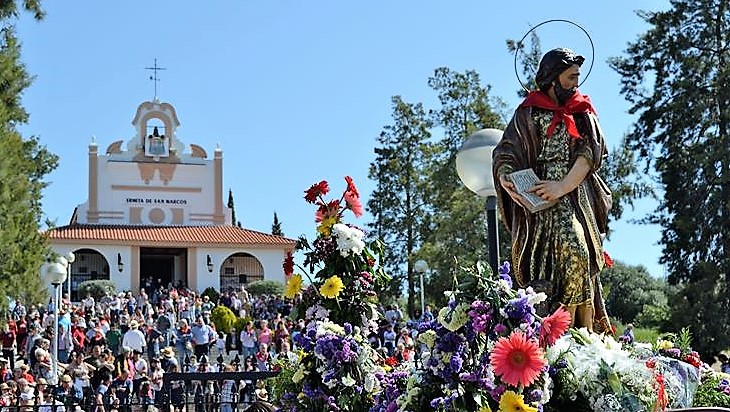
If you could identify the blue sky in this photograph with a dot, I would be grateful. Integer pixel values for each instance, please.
(293, 91)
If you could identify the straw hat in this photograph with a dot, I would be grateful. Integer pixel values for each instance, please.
(133, 324)
(167, 352)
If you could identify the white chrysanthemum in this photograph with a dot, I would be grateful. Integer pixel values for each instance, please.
(324, 328)
(349, 239)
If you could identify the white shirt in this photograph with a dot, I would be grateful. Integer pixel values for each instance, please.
(140, 368)
(134, 339)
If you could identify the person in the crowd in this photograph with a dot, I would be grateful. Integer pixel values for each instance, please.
(229, 393)
(134, 338)
(248, 340)
(724, 363)
(67, 393)
(9, 342)
(628, 335)
(203, 336)
(262, 357)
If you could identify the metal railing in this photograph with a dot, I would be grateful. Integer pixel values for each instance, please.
(184, 391)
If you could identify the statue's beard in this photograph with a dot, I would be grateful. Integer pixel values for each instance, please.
(563, 94)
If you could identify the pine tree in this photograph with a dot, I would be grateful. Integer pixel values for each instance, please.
(457, 228)
(397, 203)
(675, 76)
(24, 164)
(230, 205)
(276, 226)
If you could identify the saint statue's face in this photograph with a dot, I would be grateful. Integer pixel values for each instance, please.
(570, 78)
(566, 84)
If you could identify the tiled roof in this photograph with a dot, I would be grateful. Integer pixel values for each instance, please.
(192, 235)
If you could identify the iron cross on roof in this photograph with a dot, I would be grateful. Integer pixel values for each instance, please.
(154, 77)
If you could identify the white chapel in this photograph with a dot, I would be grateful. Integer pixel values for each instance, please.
(155, 213)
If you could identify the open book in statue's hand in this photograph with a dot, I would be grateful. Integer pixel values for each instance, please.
(524, 180)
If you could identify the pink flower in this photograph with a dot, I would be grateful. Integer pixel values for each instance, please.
(517, 359)
(554, 326)
(353, 203)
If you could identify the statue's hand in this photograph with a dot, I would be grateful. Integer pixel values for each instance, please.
(549, 189)
(509, 187)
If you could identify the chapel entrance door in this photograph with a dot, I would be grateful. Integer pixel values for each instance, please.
(162, 267)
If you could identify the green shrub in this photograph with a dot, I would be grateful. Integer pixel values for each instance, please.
(223, 318)
(96, 288)
(265, 287)
(709, 394)
(240, 323)
(211, 293)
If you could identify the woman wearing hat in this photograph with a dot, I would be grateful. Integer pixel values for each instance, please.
(168, 360)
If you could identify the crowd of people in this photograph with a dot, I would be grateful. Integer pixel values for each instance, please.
(113, 352)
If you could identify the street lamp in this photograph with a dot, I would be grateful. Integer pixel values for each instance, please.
(421, 267)
(70, 258)
(474, 166)
(56, 273)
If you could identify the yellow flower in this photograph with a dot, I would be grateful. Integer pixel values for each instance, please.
(293, 286)
(514, 402)
(332, 287)
(485, 408)
(665, 344)
(325, 228)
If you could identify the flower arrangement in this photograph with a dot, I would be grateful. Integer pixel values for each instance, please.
(342, 267)
(488, 350)
(484, 351)
(336, 368)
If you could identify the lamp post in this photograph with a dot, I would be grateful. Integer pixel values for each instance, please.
(421, 267)
(474, 166)
(70, 258)
(56, 273)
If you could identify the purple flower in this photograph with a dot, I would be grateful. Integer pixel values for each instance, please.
(456, 363)
(504, 273)
(504, 268)
(518, 308)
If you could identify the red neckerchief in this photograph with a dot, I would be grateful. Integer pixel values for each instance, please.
(578, 103)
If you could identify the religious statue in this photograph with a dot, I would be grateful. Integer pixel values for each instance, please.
(157, 144)
(558, 250)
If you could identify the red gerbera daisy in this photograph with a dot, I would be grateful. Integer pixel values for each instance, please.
(517, 360)
(317, 190)
(554, 326)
